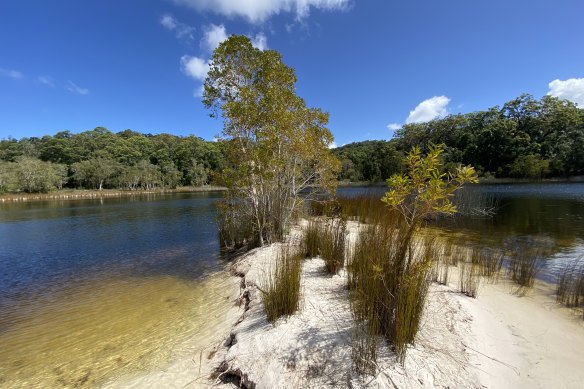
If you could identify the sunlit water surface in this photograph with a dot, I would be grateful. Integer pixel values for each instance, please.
(92, 290)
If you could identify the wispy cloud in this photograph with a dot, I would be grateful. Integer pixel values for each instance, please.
(182, 30)
(46, 80)
(429, 109)
(260, 41)
(394, 126)
(10, 73)
(258, 11)
(213, 36)
(571, 89)
(194, 67)
(74, 88)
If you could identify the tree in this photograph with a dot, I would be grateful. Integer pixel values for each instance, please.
(276, 146)
(95, 171)
(197, 174)
(34, 175)
(423, 190)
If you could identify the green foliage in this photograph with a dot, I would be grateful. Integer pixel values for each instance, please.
(33, 175)
(275, 146)
(524, 138)
(126, 160)
(392, 265)
(371, 161)
(424, 190)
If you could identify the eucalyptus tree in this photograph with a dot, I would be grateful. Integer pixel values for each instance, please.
(276, 146)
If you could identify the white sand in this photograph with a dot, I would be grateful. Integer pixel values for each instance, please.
(499, 340)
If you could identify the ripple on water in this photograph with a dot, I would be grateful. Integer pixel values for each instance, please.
(100, 329)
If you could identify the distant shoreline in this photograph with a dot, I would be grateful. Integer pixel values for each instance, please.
(75, 194)
(482, 180)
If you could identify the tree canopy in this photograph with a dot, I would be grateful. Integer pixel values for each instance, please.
(276, 146)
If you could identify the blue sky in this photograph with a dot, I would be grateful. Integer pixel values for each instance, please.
(74, 65)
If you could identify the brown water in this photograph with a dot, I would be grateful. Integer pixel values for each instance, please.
(81, 307)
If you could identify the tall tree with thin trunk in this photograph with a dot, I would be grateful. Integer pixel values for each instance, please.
(277, 147)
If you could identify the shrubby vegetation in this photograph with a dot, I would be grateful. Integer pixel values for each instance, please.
(525, 138)
(100, 159)
(275, 148)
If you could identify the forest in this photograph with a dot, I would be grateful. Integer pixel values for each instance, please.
(525, 138)
(99, 159)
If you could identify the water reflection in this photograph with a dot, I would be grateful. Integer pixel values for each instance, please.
(550, 216)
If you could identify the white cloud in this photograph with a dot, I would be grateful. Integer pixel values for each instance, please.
(332, 145)
(429, 109)
(260, 41)
(198, 92)
(213, 36)
(11, 73)
(394, 126)
(74, 88)
(48, 81)
(194, 67)
(571, 89)
(181, 30)
(257, 11)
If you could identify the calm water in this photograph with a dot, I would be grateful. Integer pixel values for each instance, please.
(93, 289)
(549, 216)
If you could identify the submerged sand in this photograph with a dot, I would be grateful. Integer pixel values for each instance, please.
(499, 340)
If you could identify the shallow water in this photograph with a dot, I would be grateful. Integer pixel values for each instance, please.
(91, 290)
(549, 216)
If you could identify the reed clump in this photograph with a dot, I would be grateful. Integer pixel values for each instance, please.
(364, 208)
(332, 245)
(570, 287)
(391, 268)
(235, 229)
(281, 291)
(311, 239)
(389, 277)
(490, 261)
(469, 278)
(524, 265)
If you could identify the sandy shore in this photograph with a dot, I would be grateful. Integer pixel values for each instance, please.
(498, 340)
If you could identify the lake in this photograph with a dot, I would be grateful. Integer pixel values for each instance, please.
(549, 216)
(92, 290)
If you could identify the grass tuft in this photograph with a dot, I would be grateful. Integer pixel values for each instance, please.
(570, 288)
(332, 245)
(524, 265)
(281, 295)
(311, 239)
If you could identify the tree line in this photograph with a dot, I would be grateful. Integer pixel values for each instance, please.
(525, 138)
(98, 159)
